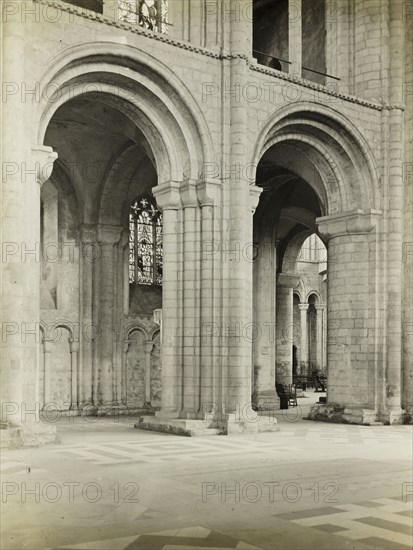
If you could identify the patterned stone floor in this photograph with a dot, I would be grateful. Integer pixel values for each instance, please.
(308, 486)
(194, 538)
(381, 523)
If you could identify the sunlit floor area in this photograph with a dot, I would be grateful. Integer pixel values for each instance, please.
(309, 485)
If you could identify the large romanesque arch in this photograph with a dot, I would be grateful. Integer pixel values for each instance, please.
(160, 123)
(316, 164)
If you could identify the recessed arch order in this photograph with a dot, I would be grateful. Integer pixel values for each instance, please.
(323, 147)
(142, 88)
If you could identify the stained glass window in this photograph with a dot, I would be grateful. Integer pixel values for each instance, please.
(145, 242)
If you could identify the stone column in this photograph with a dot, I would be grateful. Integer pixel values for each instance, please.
(294, 36)
(395, 194)
(25, 169)
(325, 365)
(148, 351)
(238, 269)
(320, 344)
(74, 350)
(209, 193)
(284, 327)
(190, 302)
(108, 237)
(169, 202)
(303, 307)
(47, 348)
(353, 330)
(89, 255)
(121, 280)
(265, 397)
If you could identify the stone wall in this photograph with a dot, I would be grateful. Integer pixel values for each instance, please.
(198, 107)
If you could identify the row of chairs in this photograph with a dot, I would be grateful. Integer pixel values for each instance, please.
(287, 394)
(316, 381)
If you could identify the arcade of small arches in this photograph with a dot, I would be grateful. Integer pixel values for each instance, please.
(152, 215)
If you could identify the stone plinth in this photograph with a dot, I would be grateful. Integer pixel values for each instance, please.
(230, 424)
(333, 412)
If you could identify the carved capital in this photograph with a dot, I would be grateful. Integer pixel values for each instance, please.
(255, 193)
(109, 234)
(348, 223)
(303, 306)
(288, 280)
(209, 192)
(47, 346)
(188, 194)
(149, 346)
(87, 233)
(167, 195)
(44, 158)
(74, 345)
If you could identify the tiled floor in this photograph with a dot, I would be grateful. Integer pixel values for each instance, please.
(310, 485)
(386, 522)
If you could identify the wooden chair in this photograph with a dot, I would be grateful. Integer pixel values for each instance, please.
(292, 395)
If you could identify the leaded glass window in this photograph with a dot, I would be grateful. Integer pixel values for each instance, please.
(145, 242)
(150, 14)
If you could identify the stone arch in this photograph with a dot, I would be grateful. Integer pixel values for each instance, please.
(297, 292)
(135, 366)
(51, 333)
(315, 294)
(146, 90)
(292, 251)
(133, 328)
(114, 198)
(56, 377)
(153, 332)
(334, 157)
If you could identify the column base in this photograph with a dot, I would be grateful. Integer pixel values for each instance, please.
(30, 434)
(250, 424)
(333, 412)
(267, 400)
(180, 426)
(394, 416)
(124, 410)
(357, 415)
(408, 415)
(88, 410)
(230, 424)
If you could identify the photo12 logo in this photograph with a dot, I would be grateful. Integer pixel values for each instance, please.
(268, 491)
(68, 491)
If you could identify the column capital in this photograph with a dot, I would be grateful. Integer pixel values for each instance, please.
(148, 346)
(47, 346)
(288, 280)
(303, 306)
(87, 232)
(44, 158)
(254, 196)
(320, 307)
(168, 195)
(74, 345)
(209, 192)
(348, 223)
(189, 194)
(109, 234)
